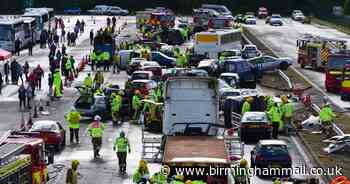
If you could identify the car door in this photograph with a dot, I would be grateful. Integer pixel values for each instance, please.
(270, 62)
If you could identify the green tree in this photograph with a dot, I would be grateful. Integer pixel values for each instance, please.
(347, 7)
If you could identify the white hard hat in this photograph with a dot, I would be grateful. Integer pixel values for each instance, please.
(97, 118)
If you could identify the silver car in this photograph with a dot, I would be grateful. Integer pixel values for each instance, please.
(115, 10)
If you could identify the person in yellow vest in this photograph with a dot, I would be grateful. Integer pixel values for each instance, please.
(240, 172)
(116, 62)
(96, 129)
(158, 178)
(277, 181)
(247, 105)
(326, 117)
(136, 104)
(106, 61)
(72, 173)
(275, 117)
(286, 111)
(116, 106)
(99, 60)
(122, 147)
(98, 79)
(179, 179)
(148, 35)
(142, 173)
(93, 58)
(88, 81)
(73, 118)
(98, 92)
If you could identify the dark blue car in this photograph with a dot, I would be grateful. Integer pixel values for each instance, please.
(272, 153)
(244, 69)
(72, 11)
(163, 59)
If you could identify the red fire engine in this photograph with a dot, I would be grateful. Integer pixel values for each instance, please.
(345, 84)
(334, 70)
(23, 160)
(314, 51)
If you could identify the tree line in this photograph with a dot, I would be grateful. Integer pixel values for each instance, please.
(184, 6)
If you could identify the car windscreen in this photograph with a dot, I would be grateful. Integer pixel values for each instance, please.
(230, 53)
(230, 93)
(139, 84)
(151, 64)
(248, 93)
(254, 118)
(274, 149)
(250, 48)
(275, 17)
(137, 76)
(44, 127)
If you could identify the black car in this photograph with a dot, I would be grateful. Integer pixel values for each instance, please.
(255, 125)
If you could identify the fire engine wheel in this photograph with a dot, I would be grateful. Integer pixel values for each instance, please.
(314, 66)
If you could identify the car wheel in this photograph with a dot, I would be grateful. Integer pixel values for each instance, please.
(342, 97)
(64, 142)
(58, 147)
(252, 164)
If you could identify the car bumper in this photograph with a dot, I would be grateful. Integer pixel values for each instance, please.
(255, 132)
(276, 23)
(273, 164)
(251, 22)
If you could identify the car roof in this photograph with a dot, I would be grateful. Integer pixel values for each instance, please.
(45, 122)
(230, 89)
(229, 75)
(249, 45)
(150, 62)
(141, 81)
(272, 142)
(142, 71)
(254, 113)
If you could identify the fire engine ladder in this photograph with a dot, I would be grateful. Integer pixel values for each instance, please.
(151, 147)
(233, 143)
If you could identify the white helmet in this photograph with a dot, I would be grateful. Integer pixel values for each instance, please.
(97, 118)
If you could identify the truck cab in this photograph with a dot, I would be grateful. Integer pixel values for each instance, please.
(334, 70)
(244, 69)
(197, 148)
